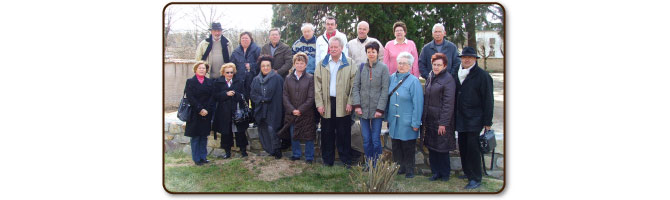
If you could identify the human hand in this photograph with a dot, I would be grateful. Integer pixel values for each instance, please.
(230, 93)
(415, 129)
(378, 114)
(247, 66)
(296, 112)
(486, 128)
(359, 111)
(203, 112)
(348, 108)
(441, 130)
(321, 110)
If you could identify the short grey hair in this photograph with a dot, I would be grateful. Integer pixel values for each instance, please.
(362, 22)
(438, 25)
(338, 39)
(307, 25)
(406, 55)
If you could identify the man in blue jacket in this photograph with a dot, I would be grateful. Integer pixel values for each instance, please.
(438, 45)
(307, 44)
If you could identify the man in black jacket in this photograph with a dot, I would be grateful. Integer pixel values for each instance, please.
(474, 111)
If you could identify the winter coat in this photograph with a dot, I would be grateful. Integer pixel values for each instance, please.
(474, 101)
(322, 45)
(200, 96)
(227, 105)
(357, 50)
(205, 47)
(299, 95)
(345, 81)
(282, 60)
(405, 107)
(438, 110)
(448, 49)
(308, 47)
(266, 94)
(239, 58)
(370, 91)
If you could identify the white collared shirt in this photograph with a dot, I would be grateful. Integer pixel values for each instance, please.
(229, 82)
(333, 66)
(462, 73)
(295, 72)
(395, 42)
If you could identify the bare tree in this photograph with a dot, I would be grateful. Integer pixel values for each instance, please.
(171, 16)
(484, 55)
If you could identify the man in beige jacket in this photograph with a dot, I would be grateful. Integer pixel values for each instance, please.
(333, 80)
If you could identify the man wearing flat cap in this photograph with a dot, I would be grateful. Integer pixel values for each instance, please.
(214, 50)
(474, 112)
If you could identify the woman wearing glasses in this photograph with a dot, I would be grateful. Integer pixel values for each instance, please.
(228, 92)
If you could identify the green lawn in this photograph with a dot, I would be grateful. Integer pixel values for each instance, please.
(241, 175)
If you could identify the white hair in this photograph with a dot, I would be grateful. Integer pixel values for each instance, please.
(307, 25)
(338, 39)
(362, 22)
(406, 55)
(438, 25)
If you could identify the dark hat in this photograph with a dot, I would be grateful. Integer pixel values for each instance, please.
(469, 51)
(216, 26)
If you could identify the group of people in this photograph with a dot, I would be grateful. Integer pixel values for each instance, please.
(323, 80)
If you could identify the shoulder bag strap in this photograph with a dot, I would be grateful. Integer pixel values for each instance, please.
(398, 86)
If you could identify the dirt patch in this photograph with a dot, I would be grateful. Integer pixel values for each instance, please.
(268, 169)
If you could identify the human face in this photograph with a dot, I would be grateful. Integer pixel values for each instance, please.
(438, 66)
(399, 33)
(372, 55)
(245, 41)
(363, 30)
(266, 67)
(403, 65)
(216, 33)
(274, 37)
(468, 61)
(201, 70)
(438, 34)
(299, 66)
(228, 73)
(330, 26)
(335, 50)
(308, 33)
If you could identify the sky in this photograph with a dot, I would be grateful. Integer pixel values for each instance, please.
(242, 16)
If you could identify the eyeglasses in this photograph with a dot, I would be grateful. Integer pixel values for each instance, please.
(229, 72)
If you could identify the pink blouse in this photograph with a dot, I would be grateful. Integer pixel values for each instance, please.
(392, 50)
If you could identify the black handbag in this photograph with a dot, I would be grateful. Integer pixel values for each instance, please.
(242, 114)
(487, 143)
(184, 112)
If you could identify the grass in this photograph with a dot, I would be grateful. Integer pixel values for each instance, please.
(235, 175)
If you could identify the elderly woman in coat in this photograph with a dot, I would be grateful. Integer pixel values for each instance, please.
(228, 92)
(266, 93)
(199, 91)
(298, 108)
(244, 57)
(438, 117)
(404, 113)
(370, 95)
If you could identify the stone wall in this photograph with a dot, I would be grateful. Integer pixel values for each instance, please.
(175, 74)
(493, 64)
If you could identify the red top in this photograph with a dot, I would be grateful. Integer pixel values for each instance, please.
(328, 36)
(201, 79)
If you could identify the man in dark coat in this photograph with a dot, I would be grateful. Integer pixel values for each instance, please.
(474, 111)
(439, 45)
(280, 52)
(266, 93)
(438, 117)
(223, 117)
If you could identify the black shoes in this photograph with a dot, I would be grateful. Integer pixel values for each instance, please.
(434, 177)
(401, 171)
(224, 156)
(473, 184)
(445, 178)
(198, 163)
(409, 175)
(294, 158)
(278, 154)
(204, 161)
(244, 154)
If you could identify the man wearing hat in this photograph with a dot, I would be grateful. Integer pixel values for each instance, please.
(474, 112)
(214, 50)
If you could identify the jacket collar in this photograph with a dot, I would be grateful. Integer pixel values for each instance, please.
(474, 71)
(223, 40)
(267, 77)
(343, 58)
(310, 41)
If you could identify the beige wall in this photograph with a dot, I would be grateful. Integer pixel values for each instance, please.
(492, 64)
(175, 74)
